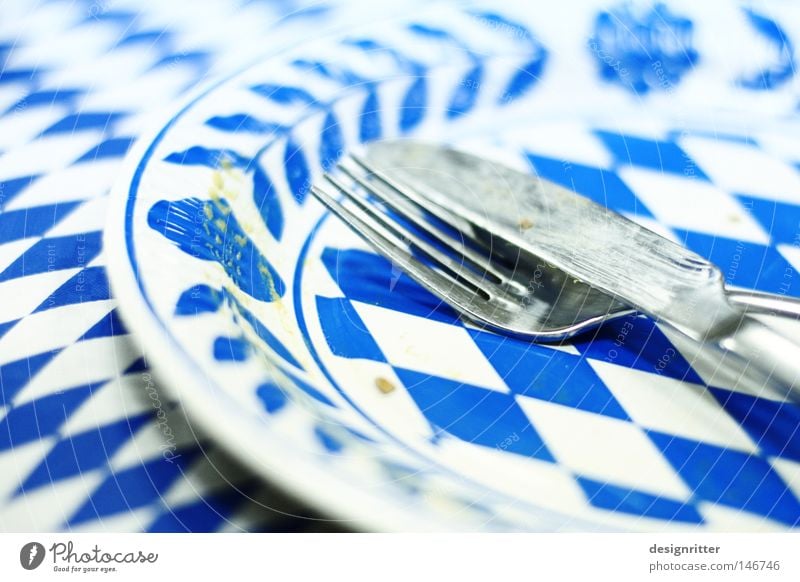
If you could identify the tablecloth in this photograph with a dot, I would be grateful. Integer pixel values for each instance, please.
(88, 438)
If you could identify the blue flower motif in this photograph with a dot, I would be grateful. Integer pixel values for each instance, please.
(643, 50)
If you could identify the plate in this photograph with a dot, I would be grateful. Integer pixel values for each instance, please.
(89, 440)
(330, 372)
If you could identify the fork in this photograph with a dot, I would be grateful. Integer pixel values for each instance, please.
(497, 283)
(506, 294)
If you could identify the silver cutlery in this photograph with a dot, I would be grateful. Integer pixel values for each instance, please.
(530, 258)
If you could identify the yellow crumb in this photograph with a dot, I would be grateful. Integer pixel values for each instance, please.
(218, 180)
(384, 385)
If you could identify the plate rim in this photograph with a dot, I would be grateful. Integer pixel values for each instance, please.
(330, 492)
(202, 407)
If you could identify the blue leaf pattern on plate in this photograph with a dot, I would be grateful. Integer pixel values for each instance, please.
(429, 31)
(331, 443)
(208, 230)
(369, 128)
(525, 77)
(331, 145)
(414, 104)
(336, 73)
(284, 95)
(297, 173)
(231, 349)
(271, 396)
(466, 93)
(199, 299)
(243, 122)
(403, 61)
(211, 158)
(783, 68)
(266, 199)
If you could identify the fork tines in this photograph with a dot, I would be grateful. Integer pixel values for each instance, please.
(396, 219)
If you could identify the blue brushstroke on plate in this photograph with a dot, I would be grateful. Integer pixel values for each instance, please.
(208, 230)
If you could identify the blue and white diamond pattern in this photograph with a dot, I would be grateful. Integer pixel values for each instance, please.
(82, 444)
(705, 452)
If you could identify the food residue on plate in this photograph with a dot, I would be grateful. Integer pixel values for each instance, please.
(384, 385)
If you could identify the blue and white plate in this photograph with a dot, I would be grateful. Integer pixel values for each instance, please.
(333, 374)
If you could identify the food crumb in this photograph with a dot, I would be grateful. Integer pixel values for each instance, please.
(384, 385)
(218, 180)
(525, 223)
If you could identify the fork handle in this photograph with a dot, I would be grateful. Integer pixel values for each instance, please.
(766, 303)
(768, 351)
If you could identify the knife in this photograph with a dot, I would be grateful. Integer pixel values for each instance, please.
(596, 246)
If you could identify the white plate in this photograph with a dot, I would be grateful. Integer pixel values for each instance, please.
(330, 372)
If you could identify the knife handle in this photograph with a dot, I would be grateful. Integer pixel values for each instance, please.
(770, 352)
(765, 303)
